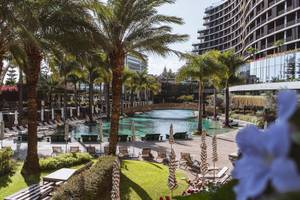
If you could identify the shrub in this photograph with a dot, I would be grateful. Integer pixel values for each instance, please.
(6, 162)
(186, 98)
(95, 183)
(64, 160)
(224, 192)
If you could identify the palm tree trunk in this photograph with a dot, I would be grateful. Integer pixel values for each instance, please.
(31, 165)
(91, 88)
(107, 99)
(200, 102)
(226, 123)
(215, 104)
(117, 60)
(65, 98)
(20, 108)
(131, 98)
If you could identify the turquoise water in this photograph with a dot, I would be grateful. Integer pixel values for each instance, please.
(153, 122)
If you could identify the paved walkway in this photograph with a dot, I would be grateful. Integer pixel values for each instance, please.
(226, 146)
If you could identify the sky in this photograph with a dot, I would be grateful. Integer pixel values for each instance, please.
(191, 11)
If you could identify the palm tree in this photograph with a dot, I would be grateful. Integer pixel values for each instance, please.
(131, 26)
(199, 68)
(93, 66)
(231, 63)
(36, 24)
(278, 44)
(252, 51)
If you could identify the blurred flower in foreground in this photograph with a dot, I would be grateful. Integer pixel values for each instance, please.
(265, 155)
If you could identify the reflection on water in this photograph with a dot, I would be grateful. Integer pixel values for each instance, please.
(156, 121)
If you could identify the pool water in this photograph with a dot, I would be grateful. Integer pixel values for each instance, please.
(153, 122)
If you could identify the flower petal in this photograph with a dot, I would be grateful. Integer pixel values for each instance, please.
(251, 141)
(253, 176)
(278, 139)
(284, 175)
(287, 104)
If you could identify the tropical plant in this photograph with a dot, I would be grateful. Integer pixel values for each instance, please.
(93, 68)
(231, 62)
(131, 26)
(252, 51)
(200, 68)
(36, 25)
(278, 44)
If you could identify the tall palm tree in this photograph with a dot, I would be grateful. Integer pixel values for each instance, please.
(199, 68)
(131, 26)
(231, 63)
(64, 65)
(93, 66)
(36, 24)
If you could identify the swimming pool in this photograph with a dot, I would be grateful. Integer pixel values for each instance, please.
(153, 122)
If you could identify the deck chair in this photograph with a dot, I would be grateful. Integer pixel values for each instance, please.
(106, 150)
(22, 128)
(219, 174)
(74, 149)
(187, 162)
(123, 152)
(146, 154)
(56, 150)
(162, 157)
(91, 150)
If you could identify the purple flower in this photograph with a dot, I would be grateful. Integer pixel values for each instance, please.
(265, 155)
(287, 104)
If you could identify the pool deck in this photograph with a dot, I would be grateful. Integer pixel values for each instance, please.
(226, 145)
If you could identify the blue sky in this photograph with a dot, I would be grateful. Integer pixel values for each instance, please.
(192, 12)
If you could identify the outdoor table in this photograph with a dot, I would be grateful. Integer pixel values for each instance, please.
(60, 175)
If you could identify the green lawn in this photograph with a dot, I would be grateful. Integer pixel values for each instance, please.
(16, 182)
(145, 181)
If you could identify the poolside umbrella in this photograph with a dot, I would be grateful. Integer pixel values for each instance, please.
(172, 183)
(62, 113)
(42, 110)
(92, 110)
(1, 116)
(78, 111)
(204, 164)
(71, 112)
(115, 192)
(16, 118)
(214, 151)
(42, 114)
(100, 134)
(133, 136)
(66, 132)
(171, 136)
(1, 132)
(52, 114)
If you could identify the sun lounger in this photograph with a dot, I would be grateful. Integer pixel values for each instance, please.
(220, 174)
(58, 138)
(123, 152)
(179, 136)
(89, 138)
(56, 150)
(15, 129)
(22, 128)
(37, 191)
(106, 150)
(187, 162)
(123, 138)
(74, 149)
(91, 150)
(151, 137)
(146, 154)
(162, 157)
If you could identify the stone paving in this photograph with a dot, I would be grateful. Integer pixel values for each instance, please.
(226, 145)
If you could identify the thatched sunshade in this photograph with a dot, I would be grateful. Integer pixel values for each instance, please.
(246, 100)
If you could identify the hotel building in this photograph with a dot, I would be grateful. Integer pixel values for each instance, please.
(270, 27)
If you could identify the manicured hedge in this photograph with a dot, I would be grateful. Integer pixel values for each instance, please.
(6, 162)
(64, 160)
(94, 183)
